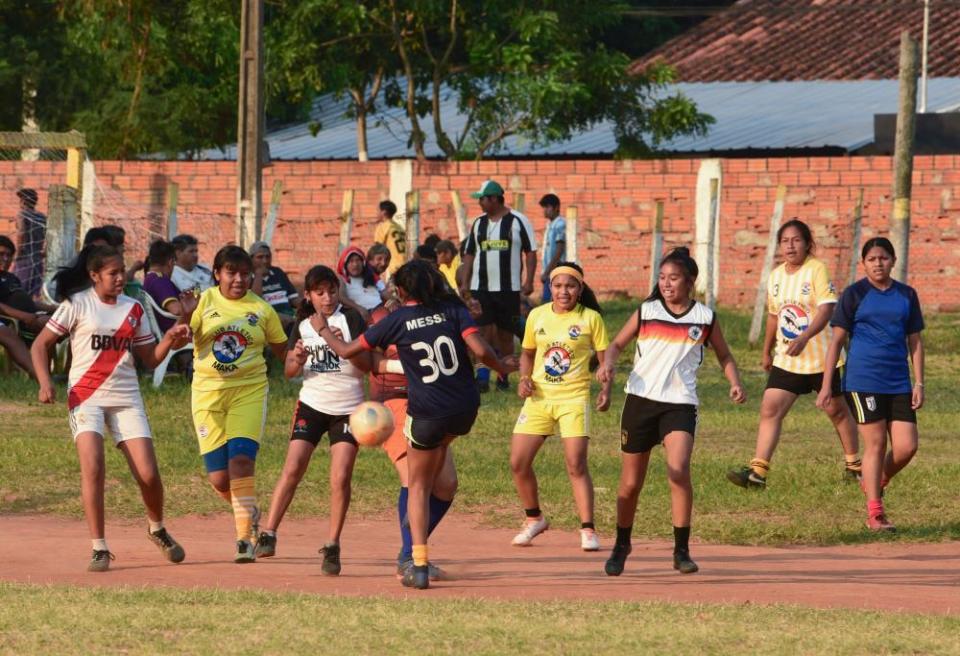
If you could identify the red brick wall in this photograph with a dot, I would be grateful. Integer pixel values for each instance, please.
(616, 201)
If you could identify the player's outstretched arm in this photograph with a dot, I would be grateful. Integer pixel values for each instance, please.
(727, 363)
(343, 349)
(487, 356)
(820, 321)
(830, 365)
(40, 355)
(151, 355)
(606, 372)
(603, 398)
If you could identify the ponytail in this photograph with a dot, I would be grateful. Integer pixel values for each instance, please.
(76, 277)
(681, 257)
(423, 283)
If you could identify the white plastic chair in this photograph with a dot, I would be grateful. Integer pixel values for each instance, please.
(151, 312)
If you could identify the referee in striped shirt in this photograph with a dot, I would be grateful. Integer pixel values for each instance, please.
(501, 246)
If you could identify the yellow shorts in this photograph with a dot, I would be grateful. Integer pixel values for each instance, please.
(572, 418)
(219, 415)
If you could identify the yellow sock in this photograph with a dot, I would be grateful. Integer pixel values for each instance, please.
(242, 492)
(760, 467)
(420, 555)
(223, 494)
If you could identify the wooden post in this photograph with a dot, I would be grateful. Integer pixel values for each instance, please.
(656, 246)
(855, 246)
(570, 235)
(75, 157)
(519, 202)
(413, 222)
(903, 155)
(711, 295)
(250, 124)
(276, 195)
(61, 239)
(346, 221)
(173, 196)
(760, 304)
(461, 211)
(87, 197)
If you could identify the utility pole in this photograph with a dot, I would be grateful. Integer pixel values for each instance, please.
(903, 155)
(250, 124)
(923, 56)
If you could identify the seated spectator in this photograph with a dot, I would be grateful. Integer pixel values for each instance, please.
(448, 261)
(15, 302)
(157, 283)
(188, 273)
(273, 285)
(360, 289)
(17, 349)
(378, 259)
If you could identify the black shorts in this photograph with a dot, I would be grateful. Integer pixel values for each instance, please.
(310, 425)
(868, 407)
(500, 308)
(801, 384)
(644, 422)
(428, 434)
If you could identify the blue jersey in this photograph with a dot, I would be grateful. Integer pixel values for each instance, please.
(430, 343)
(878, 322)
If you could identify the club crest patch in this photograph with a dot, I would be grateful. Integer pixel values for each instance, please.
(871, 403)
(623, 438)
(229, 346)
(805, 289)
(574, 331)
(252, 319)
(695, 333)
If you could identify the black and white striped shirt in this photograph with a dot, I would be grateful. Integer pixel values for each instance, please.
(499, 247)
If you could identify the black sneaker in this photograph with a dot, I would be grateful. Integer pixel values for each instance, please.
(416, 576)
(617, 560)
(503, 384)
(747, 478)
(266, 546)
(483, 386)
(331, 559)
(169, 547)
(683, 563)
(100, 561)
(245, 553)
(851, 475)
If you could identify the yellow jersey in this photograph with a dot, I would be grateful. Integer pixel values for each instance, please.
(564, 344)
(449, 272)
(228, 340)
(794, 298)
(392, 235)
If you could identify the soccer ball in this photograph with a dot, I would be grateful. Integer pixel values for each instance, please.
(371, 423)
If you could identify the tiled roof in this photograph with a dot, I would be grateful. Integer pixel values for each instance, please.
(783, 40)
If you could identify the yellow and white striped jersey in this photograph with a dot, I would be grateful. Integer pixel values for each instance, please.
(794, 299)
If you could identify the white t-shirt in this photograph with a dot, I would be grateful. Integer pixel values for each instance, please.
(366, 297)
(199, 278)
(669, 352)
(101, 338)
(331, 385)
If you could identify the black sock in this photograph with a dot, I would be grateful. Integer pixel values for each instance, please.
(532, 513)
(587, 525)
(623, 535)
(681, 539)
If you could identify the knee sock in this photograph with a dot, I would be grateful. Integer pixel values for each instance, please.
(223, 494)
(420, 555)
(438, 508)
(681, 539)
(874, 508)
(406, 539)
(760, 467)
(623, 535)
(243, 496)
(852, 461)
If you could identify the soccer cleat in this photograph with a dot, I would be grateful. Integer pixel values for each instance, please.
(880, 524)
(331, 559)
(436, 574)
(245, 553)
(747, 478)
(683, 563)
(416, 576)
(169, 547)
(100, 561)
(851, 475)
(589, 540)
(266, 546)
(503, 384)
(483, 386)
(531, 529)
(617, 560)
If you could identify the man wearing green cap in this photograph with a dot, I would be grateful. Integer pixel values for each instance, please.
(500, 248)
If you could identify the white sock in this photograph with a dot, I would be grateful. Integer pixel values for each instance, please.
(267, 531)
(155, 526)
(99, 544)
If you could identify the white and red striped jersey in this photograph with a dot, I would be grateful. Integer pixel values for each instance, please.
(101, 339)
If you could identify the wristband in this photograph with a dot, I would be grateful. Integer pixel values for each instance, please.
(918, 384)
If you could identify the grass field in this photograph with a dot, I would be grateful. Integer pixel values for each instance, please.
(806, 503)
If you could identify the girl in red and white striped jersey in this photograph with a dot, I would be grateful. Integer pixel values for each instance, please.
(106, 329)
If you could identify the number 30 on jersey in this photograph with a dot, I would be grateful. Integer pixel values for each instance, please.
(440, 358)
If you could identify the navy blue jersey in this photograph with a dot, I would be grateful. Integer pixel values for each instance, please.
(430, 343)
(878, 322)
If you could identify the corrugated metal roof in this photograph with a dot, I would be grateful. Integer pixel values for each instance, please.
(749, 116)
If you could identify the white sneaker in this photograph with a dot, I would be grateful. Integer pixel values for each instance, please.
(589, 540)
(531, 529)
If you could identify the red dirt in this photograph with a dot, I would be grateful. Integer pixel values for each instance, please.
(884, 576)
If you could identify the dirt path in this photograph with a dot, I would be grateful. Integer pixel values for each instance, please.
(888, 576)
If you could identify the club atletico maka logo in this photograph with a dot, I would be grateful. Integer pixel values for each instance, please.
(556, 361)
(574, 332)
(805, 289)
(229, 346)
(793, 321)
(252, 319)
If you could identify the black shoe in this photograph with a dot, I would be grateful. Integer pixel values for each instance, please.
(617, 559)
(683, 563)
(169, 547)
(100, 561)
(266, 546)
(417, 576)
(483, 386)
(503, 384)
(331, 559)
(851, 475)
(746, 477)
